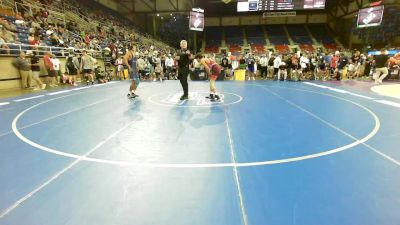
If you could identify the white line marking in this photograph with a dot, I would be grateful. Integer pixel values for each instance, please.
(4, 103)
(334, 127)
(205, 165)
(25, 99)
(56, 116)
(361, 96)
(58, 92)
(386, 102)
(235, 170)
(338, 90)
(10, 132)
(57, 175)
(180, 104)
(81, 88)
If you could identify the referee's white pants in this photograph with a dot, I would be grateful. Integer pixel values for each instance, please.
(381, 73)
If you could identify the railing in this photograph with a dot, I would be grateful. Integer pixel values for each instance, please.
(15, 49)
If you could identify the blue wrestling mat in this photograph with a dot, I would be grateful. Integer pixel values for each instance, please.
(268, 153)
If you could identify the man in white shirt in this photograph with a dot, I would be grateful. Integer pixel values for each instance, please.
(277, 63)
(169, 64)
(264, 67)
(57, 68)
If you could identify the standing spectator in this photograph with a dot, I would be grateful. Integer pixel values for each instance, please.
(57, 68)
(86, 67)
(72, 67)
(264, 67)
(119, 63)
(24, 67)
(381, 70)
(251, 64)
(342, 63)
(226, 65)
(271, 65)
(169, 63)
(368, 66)
(334, 64)
(35, 66)
(277, 63)
(48, 64)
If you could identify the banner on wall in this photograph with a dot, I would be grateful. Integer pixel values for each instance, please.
(279, 14)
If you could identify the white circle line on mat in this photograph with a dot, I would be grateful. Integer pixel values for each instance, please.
(240, 98)
(201, 165)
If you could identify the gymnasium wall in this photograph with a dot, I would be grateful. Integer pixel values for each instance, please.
(9, 75)
(256, 20)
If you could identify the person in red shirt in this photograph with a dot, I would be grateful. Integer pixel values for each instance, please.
(87, 39)
(334, 64)
(48, 64)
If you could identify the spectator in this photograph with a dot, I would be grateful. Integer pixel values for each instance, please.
(57, 68)
(342, 63)
(381, 70)
(277, 63)
(35, 67)
(24, 68)
(72, 68)
(87, 67)
(48, 65)
(4, 47)
(263, 67)
(169, 63)
(119, 64)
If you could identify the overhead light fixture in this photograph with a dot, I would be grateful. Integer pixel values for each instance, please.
(226, 1)
(158, 14)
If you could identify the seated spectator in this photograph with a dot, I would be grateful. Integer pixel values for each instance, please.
(4, 47)
(8, 36)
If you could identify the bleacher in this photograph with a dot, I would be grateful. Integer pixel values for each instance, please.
(277, 35)
(213, 37)
(233, 35)
(299, 34)
(255, 38)
(321, 33)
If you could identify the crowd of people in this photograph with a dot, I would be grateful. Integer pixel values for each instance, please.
(310, 66)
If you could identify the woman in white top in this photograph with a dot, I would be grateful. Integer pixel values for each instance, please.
(57, 68)
(119, 63)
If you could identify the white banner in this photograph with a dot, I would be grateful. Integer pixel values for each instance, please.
(279, 14)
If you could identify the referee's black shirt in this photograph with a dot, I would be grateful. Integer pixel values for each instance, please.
(184, 60)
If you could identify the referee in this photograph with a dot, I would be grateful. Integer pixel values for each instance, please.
(184, 59)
